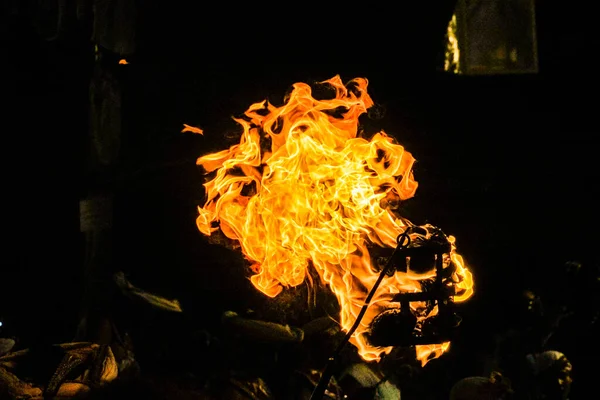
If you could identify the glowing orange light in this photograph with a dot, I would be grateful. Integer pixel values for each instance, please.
(304, 187)
(193, 129)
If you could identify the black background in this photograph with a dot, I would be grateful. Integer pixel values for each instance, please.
(505, 163)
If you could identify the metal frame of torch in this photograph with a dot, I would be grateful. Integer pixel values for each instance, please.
(441, 294)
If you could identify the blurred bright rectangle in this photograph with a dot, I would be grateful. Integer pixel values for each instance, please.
(492, 37)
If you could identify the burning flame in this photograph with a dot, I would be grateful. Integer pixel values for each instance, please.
(193, 129)
(320, 195)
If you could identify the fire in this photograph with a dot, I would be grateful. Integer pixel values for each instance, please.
(193, 129)
(304, 188)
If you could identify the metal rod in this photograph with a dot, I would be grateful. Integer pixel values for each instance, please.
(317, 394)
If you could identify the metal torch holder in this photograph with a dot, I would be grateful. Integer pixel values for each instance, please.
(401, 328)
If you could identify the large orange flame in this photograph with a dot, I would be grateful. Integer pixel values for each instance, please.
(320, 195)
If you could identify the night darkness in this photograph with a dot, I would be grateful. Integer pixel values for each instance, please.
(504, 163)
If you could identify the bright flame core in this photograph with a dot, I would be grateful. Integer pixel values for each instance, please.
(320, 195)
